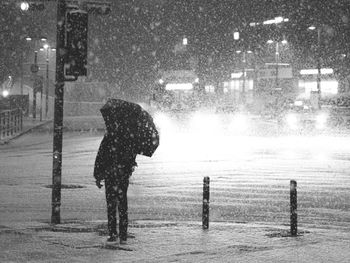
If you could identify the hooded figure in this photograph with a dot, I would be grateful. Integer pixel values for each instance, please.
(114, 164)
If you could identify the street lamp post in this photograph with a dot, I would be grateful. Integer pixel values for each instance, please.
(236, 36)
(47, 82)
(34, 70)
(318, 63)
(48, 50)
(277, 60)
(244, 72)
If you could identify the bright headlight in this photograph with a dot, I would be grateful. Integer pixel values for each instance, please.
(292, 121)
(162, 121)
(5, 93)
(204, 123)
(321, 121)
(239, 123)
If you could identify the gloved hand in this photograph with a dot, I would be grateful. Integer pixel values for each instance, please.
(98, 184)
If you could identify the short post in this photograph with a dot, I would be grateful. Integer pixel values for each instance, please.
(205, 215)
(293, 208)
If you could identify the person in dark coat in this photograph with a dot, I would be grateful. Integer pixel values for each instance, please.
(115, 163)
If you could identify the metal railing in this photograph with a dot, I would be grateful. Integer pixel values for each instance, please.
(11, 123)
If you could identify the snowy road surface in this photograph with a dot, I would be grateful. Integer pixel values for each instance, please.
(249, 179)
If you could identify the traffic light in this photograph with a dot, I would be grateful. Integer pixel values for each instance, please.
(31, 6)
(76, 43)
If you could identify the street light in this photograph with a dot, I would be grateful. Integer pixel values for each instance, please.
(244, 71)
(318, 62)
(277, 59)
(34, 69)
(24, 6)
(47, 48)
(31, 6)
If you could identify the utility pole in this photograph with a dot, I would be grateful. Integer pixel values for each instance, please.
(35, 76)
(58, 114)
(319, 66)
(47, 83)
(277, 62)
(244, 79)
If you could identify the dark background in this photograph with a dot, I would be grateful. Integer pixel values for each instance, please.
(130, 45)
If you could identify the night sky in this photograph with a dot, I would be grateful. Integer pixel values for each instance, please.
(137, 39)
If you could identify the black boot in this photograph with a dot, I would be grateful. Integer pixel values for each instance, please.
(112, 238)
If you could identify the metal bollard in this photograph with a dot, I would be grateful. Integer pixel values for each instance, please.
(293, 208)
(205, 215)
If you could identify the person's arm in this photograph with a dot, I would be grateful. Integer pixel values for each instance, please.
(100, 162)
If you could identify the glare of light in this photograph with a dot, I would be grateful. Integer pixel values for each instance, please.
(196, 80)
(329, 86)
(236, 75)
(298, 103)
(203, 123)
(24, 6)
(179, 86)
(53, 49)
(184, 41)
(28, 38)
(209, 88)
(321, 121)
(235, 35)
(292, 121)
(324, 71)
(249, 52)
(161, 82)
(46, 46)
(163, 121)
(269, 22)
(278, 19)
(239, 123)
(284, 42)
(269, 41)
(5, 93)
(238, 51)
(312, 27)
(43, 39)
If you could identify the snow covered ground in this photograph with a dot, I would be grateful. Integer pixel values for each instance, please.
(249, 197)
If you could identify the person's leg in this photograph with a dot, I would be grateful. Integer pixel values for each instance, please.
(123, 208)
(111, 198)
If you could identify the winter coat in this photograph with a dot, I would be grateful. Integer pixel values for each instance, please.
(114, 152)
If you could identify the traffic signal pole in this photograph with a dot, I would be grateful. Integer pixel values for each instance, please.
(72, 51)
(58, 114)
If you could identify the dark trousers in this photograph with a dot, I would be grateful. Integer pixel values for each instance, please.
(116, 196)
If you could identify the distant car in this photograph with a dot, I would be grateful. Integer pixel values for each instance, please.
(304, 118)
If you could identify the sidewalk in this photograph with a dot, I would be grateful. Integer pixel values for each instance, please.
(163, 241)
(28, 125)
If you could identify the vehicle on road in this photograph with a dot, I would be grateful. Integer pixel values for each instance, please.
(301, 117)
